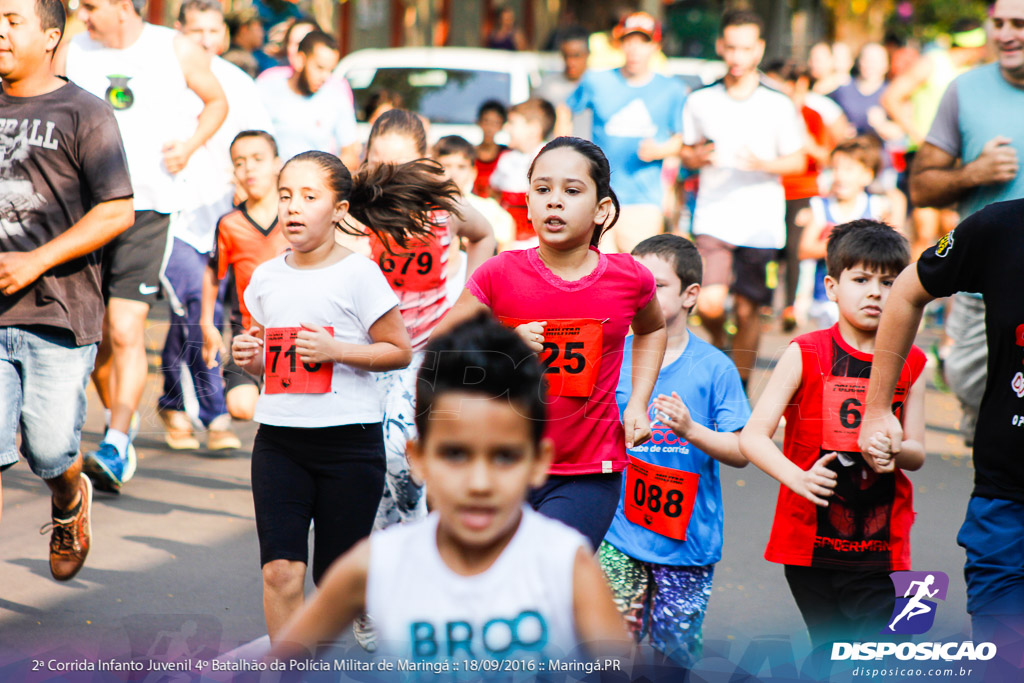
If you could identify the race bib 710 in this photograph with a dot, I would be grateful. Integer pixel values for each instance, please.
(284, 371)
(660, 498)
(571, 356)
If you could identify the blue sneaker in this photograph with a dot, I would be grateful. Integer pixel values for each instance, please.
(108, 469)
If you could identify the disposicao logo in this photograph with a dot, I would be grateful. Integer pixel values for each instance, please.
(914, 614)
(916, 593)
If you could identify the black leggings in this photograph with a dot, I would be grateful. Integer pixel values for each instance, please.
(586, 502)
(332, 475)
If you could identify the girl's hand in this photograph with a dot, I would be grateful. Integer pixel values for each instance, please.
(817, 483)
(213, 343)
(880, 450)
(636, 425)
(314, 344)
(677, 415)
(533, 335)
(246, 349)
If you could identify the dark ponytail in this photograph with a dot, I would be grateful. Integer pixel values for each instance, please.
(393, 202)
(600, 173)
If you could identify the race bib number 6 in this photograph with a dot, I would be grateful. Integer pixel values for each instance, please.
(285, 372)
(660, 499)
(842, 409)
(571, 356)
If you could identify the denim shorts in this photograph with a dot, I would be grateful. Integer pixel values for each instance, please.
(43, 377)
(993, 536)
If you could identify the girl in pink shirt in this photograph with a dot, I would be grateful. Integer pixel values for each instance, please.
(573, 305)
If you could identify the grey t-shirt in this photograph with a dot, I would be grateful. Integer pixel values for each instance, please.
(60, 155)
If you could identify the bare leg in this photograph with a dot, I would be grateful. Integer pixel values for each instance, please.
(127, 335)
(65, 488)
(711, 308)
(748, 336)
(283, 581)
(241, 401)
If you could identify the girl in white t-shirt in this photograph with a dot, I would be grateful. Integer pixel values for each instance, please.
(323, 320)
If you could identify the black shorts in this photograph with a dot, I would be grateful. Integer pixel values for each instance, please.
(235, 376)
(748, 271)
(843, 605)
(133, 262)
(331, 475)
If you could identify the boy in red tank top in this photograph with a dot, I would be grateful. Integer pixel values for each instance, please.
(842, 522)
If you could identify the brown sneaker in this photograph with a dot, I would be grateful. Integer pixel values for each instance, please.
(219, 436)
(71, 536)
(178, 430)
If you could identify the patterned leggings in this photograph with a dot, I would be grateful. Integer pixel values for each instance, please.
(403, 499)
(667, 603)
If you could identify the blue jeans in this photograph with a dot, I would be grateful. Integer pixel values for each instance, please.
(183, 277)
(43, 376)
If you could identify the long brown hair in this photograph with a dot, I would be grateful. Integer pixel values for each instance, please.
(394, 202)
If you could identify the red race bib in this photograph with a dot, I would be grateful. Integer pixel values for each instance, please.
(285, 372)
(842, 409)
(418, 267)
(571, 356)
(660, 499)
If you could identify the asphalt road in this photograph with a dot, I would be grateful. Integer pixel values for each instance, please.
(174, 570)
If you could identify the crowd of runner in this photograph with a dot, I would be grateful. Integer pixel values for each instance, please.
(507, 337)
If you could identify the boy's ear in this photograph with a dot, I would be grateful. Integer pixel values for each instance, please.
(830, 288)
(690, 295)
(545, 455)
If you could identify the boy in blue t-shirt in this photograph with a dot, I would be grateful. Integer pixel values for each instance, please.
(660, 552)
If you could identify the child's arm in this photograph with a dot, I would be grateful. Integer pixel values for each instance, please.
(722, 446)
(213, 340)
(756, 443)
(812, 240)
(599, 626)
(390, 349)
(649, 339)
(466, 307)
(480, 242)
(340, 598)
(911, 454)
(247, 350)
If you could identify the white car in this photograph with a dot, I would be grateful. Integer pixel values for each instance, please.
(447, 85)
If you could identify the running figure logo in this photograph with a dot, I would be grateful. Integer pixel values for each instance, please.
(914, 612)
(119, 95)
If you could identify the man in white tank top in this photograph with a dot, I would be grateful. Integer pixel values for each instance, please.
(145, 73)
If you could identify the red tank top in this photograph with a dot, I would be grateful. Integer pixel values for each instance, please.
(867, 522)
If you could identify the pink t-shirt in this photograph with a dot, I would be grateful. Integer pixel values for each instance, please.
(586, 429)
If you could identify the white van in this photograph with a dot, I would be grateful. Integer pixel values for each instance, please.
(447, 85)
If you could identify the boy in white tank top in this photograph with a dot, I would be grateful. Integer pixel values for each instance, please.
(483, 579)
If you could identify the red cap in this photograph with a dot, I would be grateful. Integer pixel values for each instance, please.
(639, 22)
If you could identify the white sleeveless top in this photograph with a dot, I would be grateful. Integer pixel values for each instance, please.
(520, 608)
(146, 87)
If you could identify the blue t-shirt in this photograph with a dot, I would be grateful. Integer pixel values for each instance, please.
(623, 116)
(709, 385)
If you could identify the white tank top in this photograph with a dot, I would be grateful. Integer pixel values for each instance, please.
(146, 87)
(520, 608)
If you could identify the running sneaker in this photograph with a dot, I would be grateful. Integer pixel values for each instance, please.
(70, 535)
(108, 469)
(178, 430)
(365, 633)
(219, 436)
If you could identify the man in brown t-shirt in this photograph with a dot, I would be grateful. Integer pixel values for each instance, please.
(64, 193)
